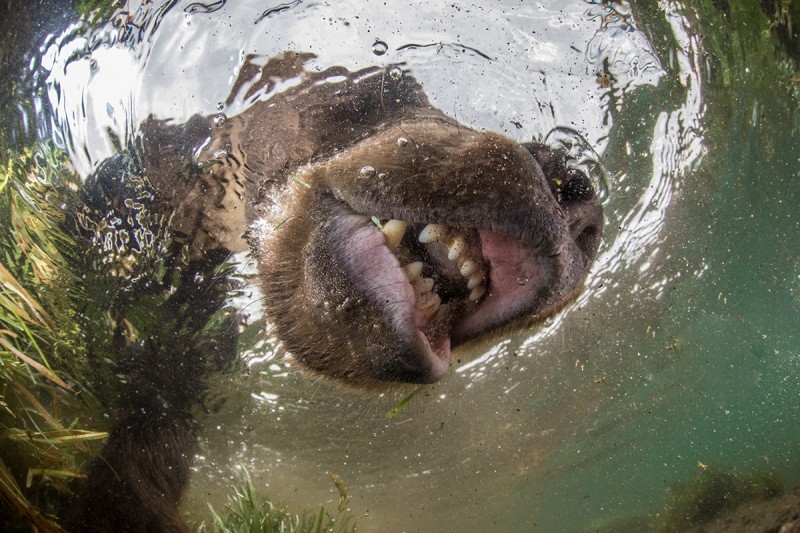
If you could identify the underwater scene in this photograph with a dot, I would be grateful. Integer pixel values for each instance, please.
(206, 209)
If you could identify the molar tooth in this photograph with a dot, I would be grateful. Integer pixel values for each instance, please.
(434, 308)
(427, 300)
(456, 248)
(477, 292)
(441, 314)
(432, 233)
(475, 280)
(421, 286)
(394, 231)
(413, 270)
(431, 305)
(468, 267)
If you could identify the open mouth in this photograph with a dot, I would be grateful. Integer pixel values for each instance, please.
(439, 285)
(445, 268)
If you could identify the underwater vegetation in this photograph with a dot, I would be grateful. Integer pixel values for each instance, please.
(711, 492)
(248, 511)
(38, 336)
(712, 500)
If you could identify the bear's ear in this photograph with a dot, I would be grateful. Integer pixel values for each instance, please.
(335, 97)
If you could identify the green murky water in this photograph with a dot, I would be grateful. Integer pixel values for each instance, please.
(684, 352)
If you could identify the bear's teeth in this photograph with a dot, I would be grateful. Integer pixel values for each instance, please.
(433, 233)
(434, 307)
(457, 247)
(429, 303)
(468, 267)
(423, 285)
(393, 232)
(426, 298)
(476, 293)
(413, 270)
(475, 280)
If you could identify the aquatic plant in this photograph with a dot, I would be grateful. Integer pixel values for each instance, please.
(709, 493)
(248, 511)
(40, 451)
(98, 10)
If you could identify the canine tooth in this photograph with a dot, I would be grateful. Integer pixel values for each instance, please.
(421, 286)
(477, 292)
(475, 280)
(413, 270)
(432, 233)
(456, 248)
(394, 231)
(468, 268)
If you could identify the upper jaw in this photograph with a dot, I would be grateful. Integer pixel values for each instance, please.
(449, 175)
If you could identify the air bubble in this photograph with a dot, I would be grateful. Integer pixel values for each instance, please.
(367, 172)
(379, 48)
(522, 281)
(395, 73)
(219, 120)
(220, 106)
(402, 141)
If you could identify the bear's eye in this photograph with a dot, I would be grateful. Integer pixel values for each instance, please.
(575, 187)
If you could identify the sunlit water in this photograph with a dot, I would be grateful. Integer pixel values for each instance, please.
(684, 350)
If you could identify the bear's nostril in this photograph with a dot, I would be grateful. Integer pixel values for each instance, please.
(576, 188)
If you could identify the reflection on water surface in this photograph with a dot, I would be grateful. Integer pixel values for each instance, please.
(682, 352)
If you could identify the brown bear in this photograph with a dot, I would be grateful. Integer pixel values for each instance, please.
(386, 234)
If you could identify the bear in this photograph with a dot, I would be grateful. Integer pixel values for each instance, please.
(386, 234)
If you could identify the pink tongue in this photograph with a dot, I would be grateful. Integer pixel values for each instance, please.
(514, 268)
(371, 266)
(515, 277)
